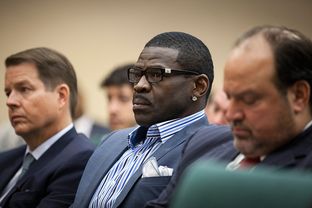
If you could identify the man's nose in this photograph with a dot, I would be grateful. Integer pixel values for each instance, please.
(233, 112)
(142, 85)
(12, 99)
(113, 106)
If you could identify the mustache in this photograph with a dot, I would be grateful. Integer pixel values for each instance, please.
(239, 124)
(140, 98)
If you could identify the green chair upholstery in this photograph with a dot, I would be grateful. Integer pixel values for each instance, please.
(208, 184)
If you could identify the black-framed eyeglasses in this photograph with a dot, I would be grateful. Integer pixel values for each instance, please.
(155, 74)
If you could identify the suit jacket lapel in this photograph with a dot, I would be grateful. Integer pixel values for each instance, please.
(175, 141)
(10, 171)
(12, 167)
(100, 163)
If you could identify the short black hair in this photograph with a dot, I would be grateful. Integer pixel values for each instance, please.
(292, 53)
(53, 69)
(118, 77)
(193, 53)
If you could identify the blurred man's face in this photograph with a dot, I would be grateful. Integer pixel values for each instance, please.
(262, 118)
(120, 106)
(216, 109)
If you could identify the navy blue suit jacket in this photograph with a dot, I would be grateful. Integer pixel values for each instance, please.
(50, 181)
(138, 190)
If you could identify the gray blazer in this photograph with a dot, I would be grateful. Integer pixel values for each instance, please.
(138, 190)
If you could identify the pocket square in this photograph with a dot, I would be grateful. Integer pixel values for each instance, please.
(165, 171)
(151, 169)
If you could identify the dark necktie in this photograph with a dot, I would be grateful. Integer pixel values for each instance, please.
(26, 163)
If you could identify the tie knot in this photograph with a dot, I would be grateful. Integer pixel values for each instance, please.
(249, 162)
(28, 159)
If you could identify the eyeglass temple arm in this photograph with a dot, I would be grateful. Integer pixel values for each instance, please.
(169, 71)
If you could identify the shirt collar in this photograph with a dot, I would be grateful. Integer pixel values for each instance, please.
(42, 148)
(164, 129)
(308, 125)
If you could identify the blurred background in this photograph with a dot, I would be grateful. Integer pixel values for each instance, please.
(97, 35)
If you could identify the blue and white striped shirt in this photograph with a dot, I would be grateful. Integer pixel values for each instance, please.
(143, 143)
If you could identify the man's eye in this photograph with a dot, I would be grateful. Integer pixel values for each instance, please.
(7, 93)
(154, 73)
(124, 99)
(137, 74)
(24, 89)
(249, 100)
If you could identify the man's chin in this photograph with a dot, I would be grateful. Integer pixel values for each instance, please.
(244, 146)
(21, 130)
(117, 126)
(143, 119)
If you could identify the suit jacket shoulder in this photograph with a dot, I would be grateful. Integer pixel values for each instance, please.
(296, 154)
(213, 141)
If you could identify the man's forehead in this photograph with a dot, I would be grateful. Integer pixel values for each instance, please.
(253, 46)
(254, 57)
(22, 71)
(158, 54)
(121, 87)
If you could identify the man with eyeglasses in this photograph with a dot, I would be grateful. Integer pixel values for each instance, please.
(172, 80)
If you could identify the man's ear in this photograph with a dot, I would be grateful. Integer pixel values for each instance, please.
(63, 94)
(201, 85)
(299, 95)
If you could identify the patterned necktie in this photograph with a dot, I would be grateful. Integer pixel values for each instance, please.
(26, 163)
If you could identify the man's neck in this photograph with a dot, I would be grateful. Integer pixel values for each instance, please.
(36, 138)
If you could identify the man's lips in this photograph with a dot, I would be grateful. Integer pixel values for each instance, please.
(240, 132)
(17, 118)
(114, 120)
(140, 102)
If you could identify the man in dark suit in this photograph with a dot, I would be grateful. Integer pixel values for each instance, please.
(267, 79)
(172, 79)
(41, 89)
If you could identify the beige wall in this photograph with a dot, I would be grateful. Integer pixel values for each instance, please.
(98, 35)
